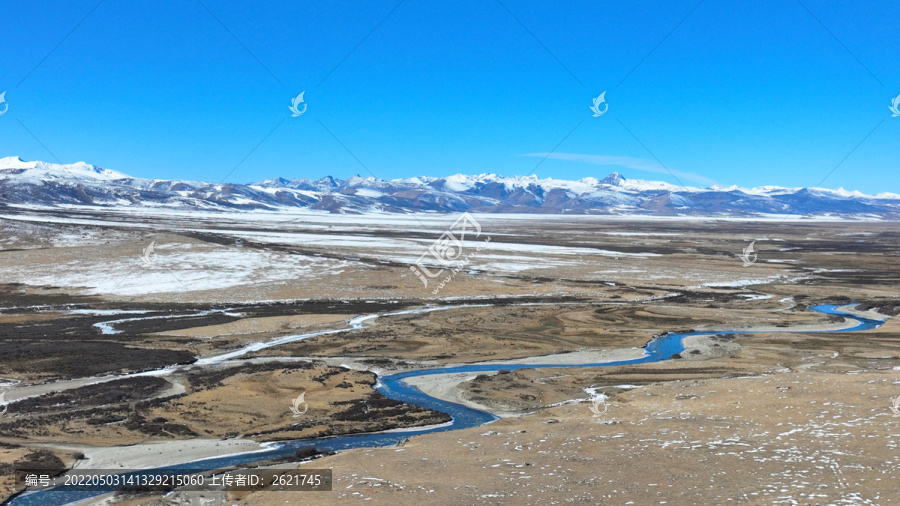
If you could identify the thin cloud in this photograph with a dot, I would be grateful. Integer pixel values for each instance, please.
(628, 162)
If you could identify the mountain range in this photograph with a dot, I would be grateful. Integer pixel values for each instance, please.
(81, 184)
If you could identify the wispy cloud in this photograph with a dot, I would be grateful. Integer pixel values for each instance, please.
(627, 162)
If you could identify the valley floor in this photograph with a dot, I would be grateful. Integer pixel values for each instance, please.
(140, 340)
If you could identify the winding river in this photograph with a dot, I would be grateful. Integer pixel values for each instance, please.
(393, 386)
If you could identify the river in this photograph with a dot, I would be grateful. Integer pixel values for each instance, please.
(393, 386)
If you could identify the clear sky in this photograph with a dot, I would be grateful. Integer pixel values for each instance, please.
(748, 93)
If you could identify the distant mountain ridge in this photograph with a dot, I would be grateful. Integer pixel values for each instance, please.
(46, 184)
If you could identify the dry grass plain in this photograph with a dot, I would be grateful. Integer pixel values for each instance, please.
(778, 417)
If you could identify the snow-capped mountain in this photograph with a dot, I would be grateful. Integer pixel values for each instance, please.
(47, 184)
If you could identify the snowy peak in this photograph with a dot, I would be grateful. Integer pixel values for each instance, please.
(276, 182)
(614, 179)
(12, 162)
(327, 183)
(47, 184)
(79, 170)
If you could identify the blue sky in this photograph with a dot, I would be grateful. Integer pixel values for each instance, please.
(748, 93)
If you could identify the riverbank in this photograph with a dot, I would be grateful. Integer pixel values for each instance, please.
(446, 386)
(160, 453)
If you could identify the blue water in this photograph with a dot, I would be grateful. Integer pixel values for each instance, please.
(657, 350)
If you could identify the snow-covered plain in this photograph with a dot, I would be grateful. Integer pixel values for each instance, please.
(176, 268)
(304, 247)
